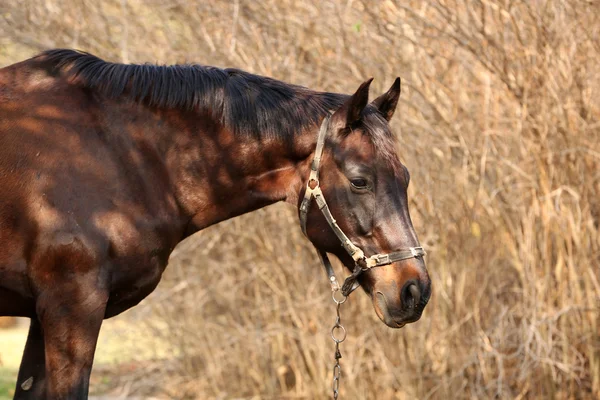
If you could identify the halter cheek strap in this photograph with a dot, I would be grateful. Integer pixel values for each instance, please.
(362, 263)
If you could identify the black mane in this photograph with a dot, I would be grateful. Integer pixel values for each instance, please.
(244, 102)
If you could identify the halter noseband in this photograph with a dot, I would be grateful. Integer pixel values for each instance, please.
(362, 262)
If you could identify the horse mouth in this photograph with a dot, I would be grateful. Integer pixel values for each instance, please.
(383, 312)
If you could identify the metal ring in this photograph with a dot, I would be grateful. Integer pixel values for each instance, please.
(338, 326)
(344, 297)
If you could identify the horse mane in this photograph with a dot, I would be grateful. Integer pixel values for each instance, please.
(247, 103)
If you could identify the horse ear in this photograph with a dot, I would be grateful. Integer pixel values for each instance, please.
(352, 109)
(387, 102)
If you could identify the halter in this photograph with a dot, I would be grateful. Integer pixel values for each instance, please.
(362, 262)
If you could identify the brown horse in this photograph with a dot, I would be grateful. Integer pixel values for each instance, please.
(105, 167)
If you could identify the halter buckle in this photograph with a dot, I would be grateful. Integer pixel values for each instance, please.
(417, 252)
(335, 286)
(381, 259)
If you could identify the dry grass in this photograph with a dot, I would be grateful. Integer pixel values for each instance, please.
(499, 126)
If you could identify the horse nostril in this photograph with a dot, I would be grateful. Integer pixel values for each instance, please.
(411, 295)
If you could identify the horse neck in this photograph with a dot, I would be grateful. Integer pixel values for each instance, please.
(218, 175)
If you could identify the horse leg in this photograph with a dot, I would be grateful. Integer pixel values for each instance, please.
(71, 317)
(32, 373)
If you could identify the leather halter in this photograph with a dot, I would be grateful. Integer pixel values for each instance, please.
(362, 262)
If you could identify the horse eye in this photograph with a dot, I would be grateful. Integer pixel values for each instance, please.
(359, 183)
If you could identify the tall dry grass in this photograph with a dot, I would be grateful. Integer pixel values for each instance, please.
(499, 126)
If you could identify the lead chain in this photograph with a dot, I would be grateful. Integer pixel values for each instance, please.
(341, 332)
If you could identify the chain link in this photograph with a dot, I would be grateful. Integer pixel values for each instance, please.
(338, 334)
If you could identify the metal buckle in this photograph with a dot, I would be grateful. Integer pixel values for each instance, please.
(335, 287)
(383, 259)
(304, 205)
(378, 260)
(417, 252)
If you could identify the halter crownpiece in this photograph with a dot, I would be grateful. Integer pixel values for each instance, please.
(362, 262)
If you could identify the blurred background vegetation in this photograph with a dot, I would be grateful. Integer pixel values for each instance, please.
(499, 127)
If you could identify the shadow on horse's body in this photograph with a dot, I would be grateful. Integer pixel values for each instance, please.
(104, 168)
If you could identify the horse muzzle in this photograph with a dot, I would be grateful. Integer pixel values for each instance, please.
(398, 308)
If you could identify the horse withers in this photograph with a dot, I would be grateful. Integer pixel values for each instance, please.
(105, 167)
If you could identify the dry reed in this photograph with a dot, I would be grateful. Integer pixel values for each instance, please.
(498, 125)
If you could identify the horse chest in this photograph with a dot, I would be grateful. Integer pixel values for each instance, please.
(133, 278)
(137, 256)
